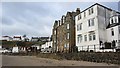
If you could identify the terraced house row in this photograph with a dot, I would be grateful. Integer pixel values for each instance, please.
(64, 32)
(96, 28)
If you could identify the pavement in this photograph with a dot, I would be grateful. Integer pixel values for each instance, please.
(35, 61)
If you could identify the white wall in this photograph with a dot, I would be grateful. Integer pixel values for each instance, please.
(0, 46)
(46, 45)
(86, 29)
(7, 38)
(101, 16)
(115, 37)
(17, 39)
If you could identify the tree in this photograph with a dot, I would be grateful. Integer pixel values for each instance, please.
(21, 43)
(24, 35)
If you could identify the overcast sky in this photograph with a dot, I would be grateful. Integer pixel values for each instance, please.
(37, 18)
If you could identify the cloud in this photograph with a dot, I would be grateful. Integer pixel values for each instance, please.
(32, 20)
(35, 18)
(59, 0)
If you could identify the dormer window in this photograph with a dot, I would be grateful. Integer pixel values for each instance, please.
(115, 19)
(111, 20)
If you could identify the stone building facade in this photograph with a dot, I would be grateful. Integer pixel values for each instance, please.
(63, 34)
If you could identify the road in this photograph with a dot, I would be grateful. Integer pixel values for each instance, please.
(35, 61)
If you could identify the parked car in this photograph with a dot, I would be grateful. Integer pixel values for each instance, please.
(46, 50)
(3, 50)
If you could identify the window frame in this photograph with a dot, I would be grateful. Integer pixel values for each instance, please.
(68, 45)
(55, 32)
(112, 21)
(91, 22)
(84, 14)
(68, 35)
(115, 19)
(94, 36)
(63, 19)
(79, 17)
(91, 10)
(65, 46)
(79, 37)
(85, 37)
(80, 26)
(119, 29)
(90, 37)
(68, 26)
(112, 32)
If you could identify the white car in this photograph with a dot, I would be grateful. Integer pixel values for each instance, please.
(4, 51)
(1, 50)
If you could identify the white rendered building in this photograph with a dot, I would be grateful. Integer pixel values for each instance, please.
(17, 38)
(47, 47)
(7, 38)
(113, 32)
(91, 28)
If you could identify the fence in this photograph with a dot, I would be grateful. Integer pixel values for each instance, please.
(95, 48)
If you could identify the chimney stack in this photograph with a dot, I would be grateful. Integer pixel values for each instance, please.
(78, 10)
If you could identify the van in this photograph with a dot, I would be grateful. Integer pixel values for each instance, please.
(15, 50)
